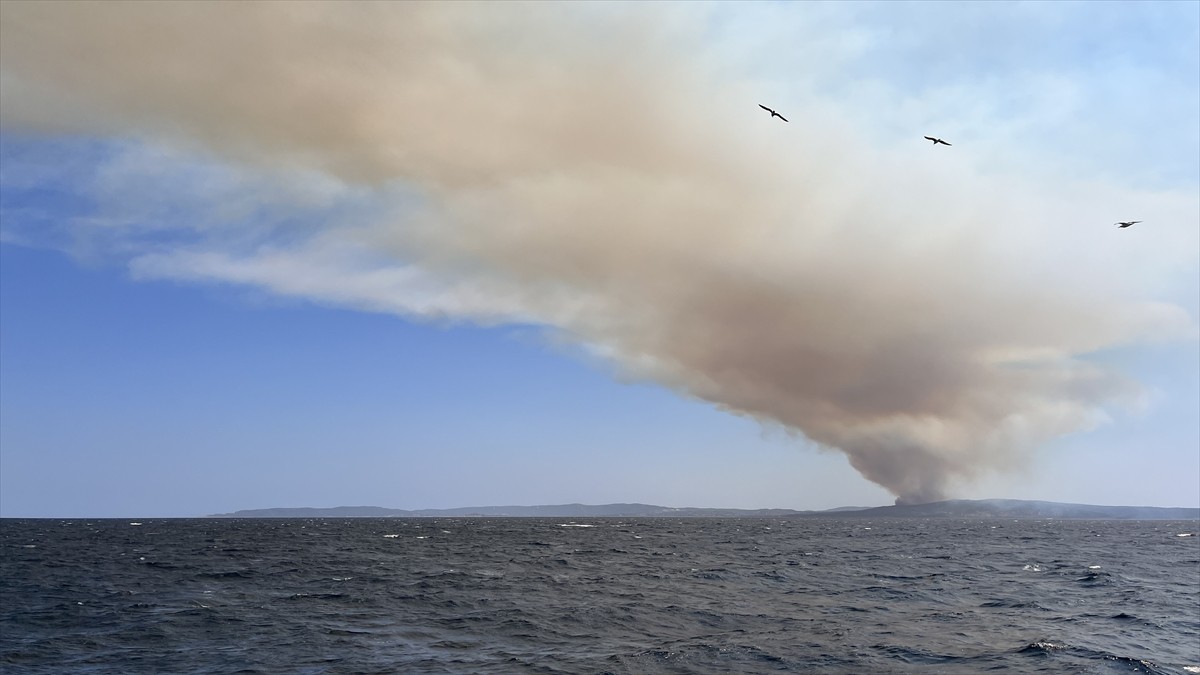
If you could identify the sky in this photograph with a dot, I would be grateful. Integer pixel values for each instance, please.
(431, 255)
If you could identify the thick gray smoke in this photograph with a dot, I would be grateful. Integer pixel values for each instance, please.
(577, 166)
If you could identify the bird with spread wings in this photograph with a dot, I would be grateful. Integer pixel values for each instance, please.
(773, 113)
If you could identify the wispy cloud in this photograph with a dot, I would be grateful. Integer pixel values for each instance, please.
(922, 310)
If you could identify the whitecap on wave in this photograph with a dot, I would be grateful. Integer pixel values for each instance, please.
(574, 525)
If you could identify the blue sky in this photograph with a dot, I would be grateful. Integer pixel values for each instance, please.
(602, 274)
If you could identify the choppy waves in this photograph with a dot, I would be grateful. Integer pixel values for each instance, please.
(596, 596)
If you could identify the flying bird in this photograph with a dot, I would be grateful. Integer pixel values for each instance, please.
(936, 140)
(1126, 223)
(773, 113)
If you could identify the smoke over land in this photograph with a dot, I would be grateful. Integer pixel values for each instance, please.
(584, 169)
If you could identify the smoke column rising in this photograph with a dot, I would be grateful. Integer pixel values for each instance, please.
(577, 166)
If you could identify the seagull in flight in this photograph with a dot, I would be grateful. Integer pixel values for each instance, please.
(1126, 223)
(936, 140)
(773, 113)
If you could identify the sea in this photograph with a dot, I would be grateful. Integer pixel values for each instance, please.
(603, 595)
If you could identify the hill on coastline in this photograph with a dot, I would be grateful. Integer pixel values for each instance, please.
(547, 511)
(959, 508)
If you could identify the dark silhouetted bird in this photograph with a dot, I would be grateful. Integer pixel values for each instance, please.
(1126, 223)
(773, 113)
(936, 140)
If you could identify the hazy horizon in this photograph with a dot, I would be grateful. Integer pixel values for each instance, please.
(580, 504)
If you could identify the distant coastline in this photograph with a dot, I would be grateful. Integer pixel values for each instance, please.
(958, 508)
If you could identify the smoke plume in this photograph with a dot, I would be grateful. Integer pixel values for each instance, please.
(592, 169)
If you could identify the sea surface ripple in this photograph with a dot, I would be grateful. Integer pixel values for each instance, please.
(537, 595)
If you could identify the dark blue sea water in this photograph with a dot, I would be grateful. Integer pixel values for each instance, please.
(598, 596)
